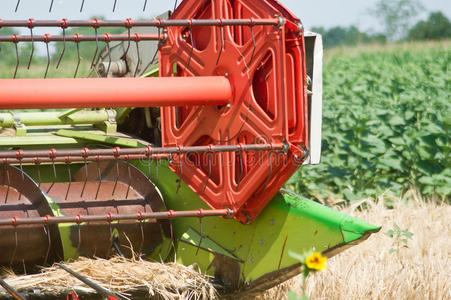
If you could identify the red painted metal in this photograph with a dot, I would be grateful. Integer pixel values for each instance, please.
(265, 65)
(113, 92)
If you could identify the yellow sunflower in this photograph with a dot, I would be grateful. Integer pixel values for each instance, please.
(316, 261)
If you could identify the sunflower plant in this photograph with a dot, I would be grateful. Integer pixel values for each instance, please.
(311, 262)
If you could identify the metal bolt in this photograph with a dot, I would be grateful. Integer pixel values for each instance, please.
(262, 241)
(301, 28)
(272, 222)
(251, 260)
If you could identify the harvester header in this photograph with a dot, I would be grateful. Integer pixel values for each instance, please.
(179, 148)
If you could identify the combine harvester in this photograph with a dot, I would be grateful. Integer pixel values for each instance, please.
(181, 151)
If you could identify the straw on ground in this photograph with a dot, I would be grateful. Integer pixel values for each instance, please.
(370, 271)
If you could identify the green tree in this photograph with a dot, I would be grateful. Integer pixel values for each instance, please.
(396, 16)
(346, 36)
(7, 53)
(436, 27)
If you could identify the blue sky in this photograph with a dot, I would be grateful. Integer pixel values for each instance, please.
(326, 13)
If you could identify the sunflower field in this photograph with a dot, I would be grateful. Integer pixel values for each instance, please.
(386, 124)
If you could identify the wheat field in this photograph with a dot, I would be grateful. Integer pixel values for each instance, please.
(370, 271)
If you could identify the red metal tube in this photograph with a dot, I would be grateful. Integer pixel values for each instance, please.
(114, 92)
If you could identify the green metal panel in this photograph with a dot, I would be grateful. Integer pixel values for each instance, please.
(93, 137)
(69, 117)
(288, 223)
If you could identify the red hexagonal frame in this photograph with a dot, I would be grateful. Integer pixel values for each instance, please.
(269, 102)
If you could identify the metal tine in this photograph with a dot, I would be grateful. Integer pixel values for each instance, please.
(171, 229)
(129, 179)
(115, 240)
(52, 156)
(19, 157)
(111, 235)
(117, 177)
(129, 26)
(82, 4)
(47, 232)
(175, 5)
(5, 165)
(107, 42)
(54, 176)
(270, 170)
(157, 161)
(17, 54)
(149, 153)
(95, 25)
(145, 5)
(46, 40)
(70, 176)
(200, 216)
(141, 244)
(79, 238)
(137, 39)
(86, 172)
(63, 26)
(114, 5)
(158, 48)
(100, 177)
(30, 25)
(38, 165)
(241, 168)
(17, 5)
(221, 32)
(210, 158)
(77, 42)
(179, 185)
(51, 6)
(15, 246)
(192, 42)
(251, 25)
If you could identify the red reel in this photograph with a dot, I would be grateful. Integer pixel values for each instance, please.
(265, 65)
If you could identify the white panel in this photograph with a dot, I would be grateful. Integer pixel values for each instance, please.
(316, 73)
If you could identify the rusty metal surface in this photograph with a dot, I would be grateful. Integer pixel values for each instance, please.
(37, 244)
(119, 189)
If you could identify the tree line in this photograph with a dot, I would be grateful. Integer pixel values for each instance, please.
(437, 26)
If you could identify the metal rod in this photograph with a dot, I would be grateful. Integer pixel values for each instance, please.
(114, 92)
(139, 216)
(11, 290)
(99, 289)
(141, 23)
(81, 38)
(10, 156)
